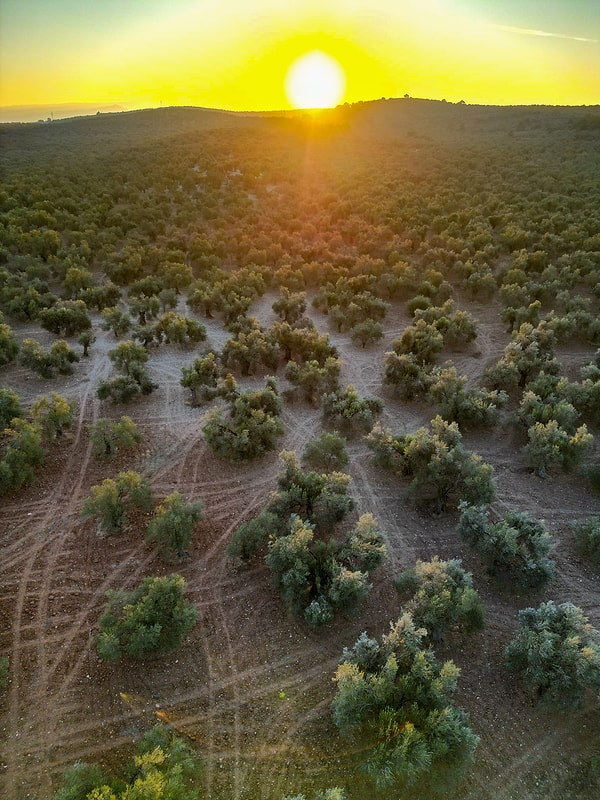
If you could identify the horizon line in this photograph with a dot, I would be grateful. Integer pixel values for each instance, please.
(121, 108)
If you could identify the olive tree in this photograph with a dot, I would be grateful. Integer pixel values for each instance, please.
(394, 699)
(365, 547)
(10, 407)
(47, 363)
(117, 321)
(249, 349)
(9, 346)
(469, 407)
(108, 436)
(530, 351)
(557, 653)
(311, 576)
(515, 548)
(112, 500)
(442, 596)
(320, 498)
(165, 767)
(326, 452)
(21, 450)
(127, 356)
(173, 328)
(550, 447)
(53, 413)
(587, 535)
(366, 332)
(86, 339)
(143, 306)
(317, 573)
(335, 793)
(250, 427)
(4, 668)
(201, 378)
(422, 339)
(441, 468)
(290, 306)
(130, 359)
(66, 318)
(313, 377)
(406, 374)
(346, 410)
(154, 617)
(172, 525)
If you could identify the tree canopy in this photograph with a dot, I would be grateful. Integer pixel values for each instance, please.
(153, 617)
(165, 767)
(441, 468)
(395, 698)
(557, 653)
(442, 596)
(172, 525)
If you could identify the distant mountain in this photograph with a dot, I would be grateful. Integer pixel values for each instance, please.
(33, 113)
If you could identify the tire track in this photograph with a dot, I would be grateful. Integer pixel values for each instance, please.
(82, 619)
(58, 510)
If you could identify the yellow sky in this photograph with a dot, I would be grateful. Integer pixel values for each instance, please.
(235, 53)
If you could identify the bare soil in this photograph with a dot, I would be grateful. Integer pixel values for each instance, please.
(251, 687)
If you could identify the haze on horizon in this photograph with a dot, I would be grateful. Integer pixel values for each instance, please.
(235, 54)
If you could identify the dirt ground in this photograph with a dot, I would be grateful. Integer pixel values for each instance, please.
(251, 686)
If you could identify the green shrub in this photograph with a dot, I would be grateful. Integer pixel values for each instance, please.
(587, 537)
(395, 699)
(108, 436)
(112, 500)
(327, 452)
(165, 768)
(347, 411)
(20, 451)
(515, 549)
(172, 525)
(557, 652)
(154, 617)
(249, 429)
(442, 470)
(442, 596)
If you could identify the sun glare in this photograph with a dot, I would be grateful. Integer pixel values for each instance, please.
(315, 80)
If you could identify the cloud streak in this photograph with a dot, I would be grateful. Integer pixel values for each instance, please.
(533, 32)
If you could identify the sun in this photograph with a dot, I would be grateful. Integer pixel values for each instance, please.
(315, 80)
